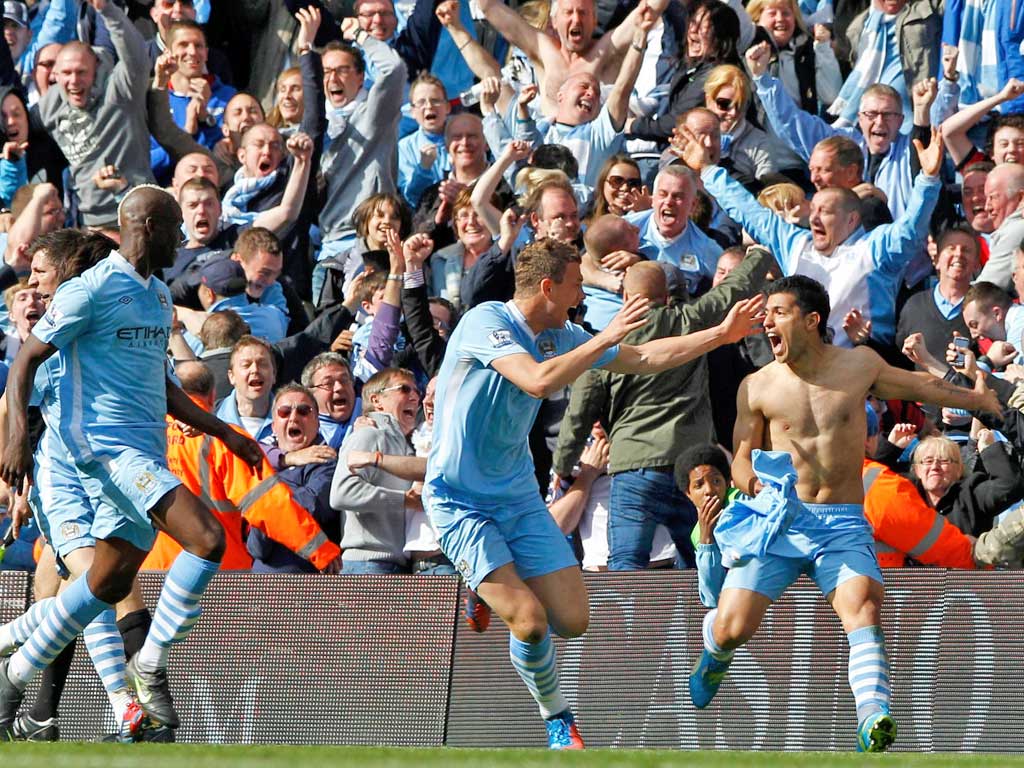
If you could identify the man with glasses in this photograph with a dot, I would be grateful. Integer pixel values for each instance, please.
(422, 156)
(329, 378)
(889, 160)
(306, 476)
(376, 502)
(362, 135)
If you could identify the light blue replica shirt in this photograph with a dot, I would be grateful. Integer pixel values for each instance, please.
(693, 252)
(590, 143)
(482, 420)
(111, 327)
(413, 179)
(265, 321)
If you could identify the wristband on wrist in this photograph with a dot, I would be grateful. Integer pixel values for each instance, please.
(396, 277)
(377, 457)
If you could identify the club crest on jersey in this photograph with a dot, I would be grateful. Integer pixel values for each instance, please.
(163, 300)
(70, 531)
(547, 348)
(145, 481)
(500, 339)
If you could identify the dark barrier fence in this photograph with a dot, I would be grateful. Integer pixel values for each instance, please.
(362, 660)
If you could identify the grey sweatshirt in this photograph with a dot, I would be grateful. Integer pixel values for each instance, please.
(361, 160)
(372, 500)
(111, 130)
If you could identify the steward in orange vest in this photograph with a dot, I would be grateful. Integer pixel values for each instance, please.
(232, 491)
(905, 525)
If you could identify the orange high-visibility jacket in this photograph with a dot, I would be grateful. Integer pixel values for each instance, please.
(905, 525)
(228, 486)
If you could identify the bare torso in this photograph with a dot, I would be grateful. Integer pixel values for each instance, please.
(819, 421)
(556, 64)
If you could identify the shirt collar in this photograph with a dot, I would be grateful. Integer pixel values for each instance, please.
(947, 309)
(520, 319)
(119, 261)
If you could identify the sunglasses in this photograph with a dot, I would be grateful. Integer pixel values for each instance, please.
(303, 409)
(405, 389)
(725, 105)
(617, 182)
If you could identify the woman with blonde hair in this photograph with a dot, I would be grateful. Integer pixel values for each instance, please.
(805, 63)
(288, 102)
(970, 499)
(748, 153)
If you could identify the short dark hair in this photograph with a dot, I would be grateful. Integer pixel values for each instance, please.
(987, 295)
(556, 157)
(196, 378)
(810, 296)
(846, 150)
(960, 228)
(72, 251)
(358, 61)
(222, 329)
(544, 258)
(698, 456)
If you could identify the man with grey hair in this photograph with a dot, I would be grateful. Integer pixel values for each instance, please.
(329, 377)
(668, 235)
(1004, 193)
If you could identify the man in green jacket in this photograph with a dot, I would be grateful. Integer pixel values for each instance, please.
(651, 419)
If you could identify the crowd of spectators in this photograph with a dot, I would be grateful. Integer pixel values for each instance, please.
(355, 175)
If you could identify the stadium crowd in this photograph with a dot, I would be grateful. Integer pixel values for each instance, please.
(355, 176)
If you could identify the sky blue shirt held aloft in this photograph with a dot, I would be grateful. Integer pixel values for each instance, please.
(482, 420)
(691, 251)
(111, 326)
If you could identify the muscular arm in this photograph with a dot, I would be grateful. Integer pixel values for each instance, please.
(542, 379)
(180, 406)
(661, 354)
(747, 435)
(17, 456)
(513, 28)
(897, 384)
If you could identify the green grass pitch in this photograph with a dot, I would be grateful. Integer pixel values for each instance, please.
(71, 755)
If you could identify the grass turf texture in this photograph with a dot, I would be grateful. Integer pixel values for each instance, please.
(73, 755)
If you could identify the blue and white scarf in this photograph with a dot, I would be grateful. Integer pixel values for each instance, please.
(235, 208)
(337, 117)
(978, 62)
(867, 71)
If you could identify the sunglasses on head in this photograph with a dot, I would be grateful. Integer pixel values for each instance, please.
(303, 409)
(724, 104)
(618, 181)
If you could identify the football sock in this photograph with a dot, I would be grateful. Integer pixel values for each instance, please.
(134, 627)
(51, 684)
(710, 645)
(72, 610)
(535, 663)
(869, 671)
(107, 652)
(17, 632)
(177, 610)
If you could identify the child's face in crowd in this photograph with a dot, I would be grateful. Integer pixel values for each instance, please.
(429, 107)
(706, 482)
